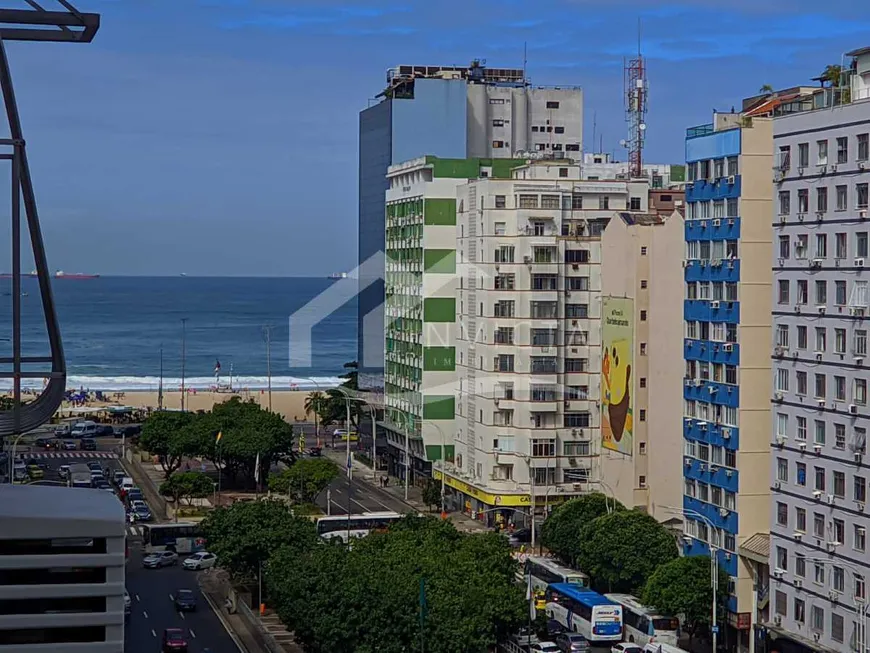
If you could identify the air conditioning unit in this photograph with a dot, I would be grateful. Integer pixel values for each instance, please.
(527, 260)
(778, 396)
(862, 213)
(777, 485)
(820, 215)
(802, 446)
(780, 440)
(817, 448)
(797, 535)
(778, 573)
(821, 309)
(717, 222)
(726, 434)
(860, 507)
(714, 304)
(779, 352)
(729, 473)
(732, 179)
(798, 582)
(801, 216)
(831, 499)
(781, 262)
(830, 546)
(687, 462)
(723, 512)
(703, 224)
(853, 409)
(577, 486)
(817, 493)
(834, 595)
(834, 167)
(816, 263)
(727, 347)
(859, 262)
(777, 620)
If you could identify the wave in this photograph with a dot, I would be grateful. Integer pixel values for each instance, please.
(151, 383)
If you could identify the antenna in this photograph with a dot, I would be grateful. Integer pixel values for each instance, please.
(34, 24)
(594, 127)
(636, 92)
(525, 59)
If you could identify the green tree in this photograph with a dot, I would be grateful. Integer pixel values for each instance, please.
(560, 533)
(316, 404)
(766, 89)
(831, 74)
(335, 408)
(246, 534)
(432, 494)
(374, 596)
(621, 550)
(167, 435)
(305, 479)
(187, 485)
(682, 587)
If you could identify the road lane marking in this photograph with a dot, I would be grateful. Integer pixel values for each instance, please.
(192, 634)
(145, 614)
(181, 614)
(153, 633)
(137, 597)
(171, 598)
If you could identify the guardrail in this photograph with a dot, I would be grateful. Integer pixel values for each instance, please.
(263, 637)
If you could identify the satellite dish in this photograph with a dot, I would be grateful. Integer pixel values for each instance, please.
(623, 143)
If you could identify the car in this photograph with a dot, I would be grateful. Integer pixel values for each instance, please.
(128, 603)
(62, 430)
(105, 486)
(545, 647)
(554, 628)
(94, 466)
(117, 476)
(520, 536)
(200, 560)
(185, 601)
(174, 641)
(35, 473)
(342, 435)
(104, 431)
(69, 445)
(572, 643)
(89, 444)
(524, 638)
(35, 462)
(160, 559)
(625, 647)
(128, 431)
(315, 452)
(44, 443)
(63, 472)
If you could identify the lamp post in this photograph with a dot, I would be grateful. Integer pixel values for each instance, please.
(183, 356)
(714, 562)
(15, 442)
(861, 605)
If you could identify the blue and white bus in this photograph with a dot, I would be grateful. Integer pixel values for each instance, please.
(644, 625)
(546, 571)
(586, 612)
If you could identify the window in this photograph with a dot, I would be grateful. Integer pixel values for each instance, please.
(799, 610)
(782, 335)
(603, 202)
(802, 290)
(528, 201)
(822, 152)
(800, 518)
(861, 244)
(819, 573)
(860, 587)
(781, 558)
(785, 202)
(500, 201)
(780, 603)
(822, 199)
(643, 316)
(785, 158)
(819, 479)
(842, 197)
(837, 627)
(782, 514)
(550, 202)
(821, 297)
(839, 484)
(819, 432)
(803, 155)
(839, 531)
(819, 525)
(859, 489)
(497, 144)
(860, 342)
(782, 470)
(842, 246)
(821, 246)
(803, 200)
(817, 618)
(863, 147)
(552, 104)
(543, 448)
(801, 382)
(859, 538)
(838, 578)
(840, 388)
(842, 149)
(781, 380)
(840, 294)
(782, 292)
(634, 204)
(801, 474)
(839, 436)
(861, 192)
(801, 337)
(784, 247)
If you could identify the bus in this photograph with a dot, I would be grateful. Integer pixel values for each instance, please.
(545, 571)
(357, 525)
(644, 625)
(580, 610)
(182, 538)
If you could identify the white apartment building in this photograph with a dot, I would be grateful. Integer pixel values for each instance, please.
(529, 347)
(62, 555)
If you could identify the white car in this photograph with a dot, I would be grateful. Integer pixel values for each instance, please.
(626, 647)
(201, 560)
(545, 647)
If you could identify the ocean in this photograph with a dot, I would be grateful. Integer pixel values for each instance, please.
(113, 329)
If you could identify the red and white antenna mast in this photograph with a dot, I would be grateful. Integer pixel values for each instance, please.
(636, 94)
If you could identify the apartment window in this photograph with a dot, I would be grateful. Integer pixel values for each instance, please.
(842, 246)
(643, 251)
(576, 364)
(643, 316)
(785, 158)
(577, 420)
(552, 104)
(504, 363)
(573, 392)
(563, 172)
(784, 247)
(860, 342)
(782, 335)
(860, 392)
(504, 336)
(817, 618)
(782, 291)
(801, 475)
(803, 196)
(840, 293)
(781, 558)
(781, 380)
(559, 130)
(819, 482)
(802, 290)
(577, 448)
(860, 587)
(839, 531)
(634, 204)
(782, 514)
(504, 254)
(819, 573)
(785, 202)
(528, 201)
(837, 627)
(819, 525)
(840, 388)
(780, 603)
(503, 309)
(801, 382)
(842, 149)
(782, 469)
(543, 448)
(504, 282)
(731, 207)
(500, 201)
(800, 518)
(859, 489)
(819, 435)
(801, 246)
(861, 190)
(803, 155)
(821, 295)
(839, 436)
(838, 578)
(603, 202)
(499, 228)
(822, 152)
(799, 610)
(839, 484)
(550, 202)
(859, 538)
(822, 199)
(821, 245)
(861, 244)
(842, 197)
(497, 144)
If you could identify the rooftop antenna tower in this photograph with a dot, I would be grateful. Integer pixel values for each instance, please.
(636, 95)
(67, 24)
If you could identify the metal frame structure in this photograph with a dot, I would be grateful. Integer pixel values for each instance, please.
(34, 24)
(636, 92)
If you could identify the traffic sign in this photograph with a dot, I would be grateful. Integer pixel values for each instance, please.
(715, 630)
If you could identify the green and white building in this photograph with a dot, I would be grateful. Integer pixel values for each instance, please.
(420, 306)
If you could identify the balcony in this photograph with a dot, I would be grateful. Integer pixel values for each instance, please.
(726, 353)
(705, 310)
(720, 394)
(703, 190)
(722, 270)
(700, 130)
(711, 432)
(713, 229)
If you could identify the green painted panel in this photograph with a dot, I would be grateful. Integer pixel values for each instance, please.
(439, 359)
(678, 173)
(433, 452)
(439, 212)
(501, 168)
(439, 309)
(439, 261)
(439, 406)
(454, 168)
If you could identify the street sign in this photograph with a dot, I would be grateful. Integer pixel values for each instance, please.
(715, 630)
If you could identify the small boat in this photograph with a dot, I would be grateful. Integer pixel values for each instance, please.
(60, 274)
(338, 275)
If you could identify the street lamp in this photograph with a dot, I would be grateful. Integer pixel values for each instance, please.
(438, 428)
(612, 495)
(12, 454)
(861, 606)
(714, 560)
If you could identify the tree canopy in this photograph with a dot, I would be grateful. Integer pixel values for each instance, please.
(560, 533)
(244, 535)
(682, 587)
(621, 550)
(187, 485)
(305, 479)
(421, 580)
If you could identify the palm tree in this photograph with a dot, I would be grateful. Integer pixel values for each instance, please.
(831, 74)
(766, 89)
(316, 403)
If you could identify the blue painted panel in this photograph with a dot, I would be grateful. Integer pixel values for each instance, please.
(719, 478)
(724, 270)
(702, 309)
(712, 352)
(703, 190)
(719, 394)
(728, 229)
(712, 434)
(712, 513)
(697, 548)
(433, 122)
(713, 146)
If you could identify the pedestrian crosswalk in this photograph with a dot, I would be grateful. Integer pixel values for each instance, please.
(134, 530)
(91, 455)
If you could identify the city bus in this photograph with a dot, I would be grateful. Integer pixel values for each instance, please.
(644, 625)
(546, 571)
(583, 611)
(182, 538)
(357, 525)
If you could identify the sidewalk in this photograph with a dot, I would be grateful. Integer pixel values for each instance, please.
(396, 489)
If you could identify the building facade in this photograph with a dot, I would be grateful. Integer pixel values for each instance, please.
(61, 570)
(727, 332)
(601, 165)
(450, 112)
(818, 554)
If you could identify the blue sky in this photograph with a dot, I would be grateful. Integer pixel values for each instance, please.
(219, 136)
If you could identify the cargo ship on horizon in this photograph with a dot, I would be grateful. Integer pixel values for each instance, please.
(60, 274)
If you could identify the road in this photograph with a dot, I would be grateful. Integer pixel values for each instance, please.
(150, 589)
(364, 497)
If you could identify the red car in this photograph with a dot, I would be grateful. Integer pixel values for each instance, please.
(174, 641)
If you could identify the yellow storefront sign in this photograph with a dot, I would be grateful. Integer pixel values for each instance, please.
(495, 500)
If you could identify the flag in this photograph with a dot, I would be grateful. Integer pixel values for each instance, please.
(349, 465)
(257, 469)
(217, 440)
(217, 368)
(530, 597)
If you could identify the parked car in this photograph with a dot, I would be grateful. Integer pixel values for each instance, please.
(625, 647)
(160, 559)
(69, 445)
(545, 647)
(200, 560)
(572, 643)
(45, 443)
(63, 472)
(554, 628)
(185, 601)
(104, 431)
(174, 641)
(35, 473)
(62, 430)
(86, 429)
(89, 444)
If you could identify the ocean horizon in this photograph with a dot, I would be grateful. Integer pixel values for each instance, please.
(113, 328)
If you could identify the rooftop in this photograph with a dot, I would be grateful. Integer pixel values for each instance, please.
(642, 219)
(81, 511)
(756, 548)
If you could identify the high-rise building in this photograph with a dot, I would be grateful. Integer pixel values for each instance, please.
(727, 339)
(818, 532)
(539, 409)
(62, 576)
(449, 112)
